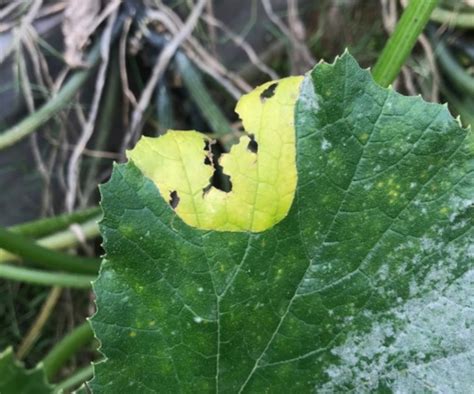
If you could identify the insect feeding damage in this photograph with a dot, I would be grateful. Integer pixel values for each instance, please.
(268, 92)
(249, 188)
(174, 199)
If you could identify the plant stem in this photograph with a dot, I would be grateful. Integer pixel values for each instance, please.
(44, 278)
(61, 240)
(65, 348)
(35, 330)
(31, 251)
(81, 376)
(400, 44)
(55, 104)
(460, 78)
(68, 239)
(464, 20)
(41, 227)
(200, 95)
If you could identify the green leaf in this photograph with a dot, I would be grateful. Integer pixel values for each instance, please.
(366, 285)
(15, 379)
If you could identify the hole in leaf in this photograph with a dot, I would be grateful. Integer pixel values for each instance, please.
(252, 145)
(174, 199)
(207, 148)
(268, 92)
(219, 179)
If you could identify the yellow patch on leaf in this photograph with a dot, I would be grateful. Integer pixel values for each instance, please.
(263, 175)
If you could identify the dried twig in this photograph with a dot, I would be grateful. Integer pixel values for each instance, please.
(129, 96)
(27, 91)
(74, 163)
(425, 43)
(158, 70)
(295, 34)
(244, 45)
(9, 8)
(300, 57)
(230, 81)
(211, 28)
(19, 31)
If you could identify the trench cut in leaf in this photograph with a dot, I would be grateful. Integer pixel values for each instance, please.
(261, 166)
(14, 378)
(365, 286)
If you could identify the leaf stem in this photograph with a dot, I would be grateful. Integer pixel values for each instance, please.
(49, 225)
(400, 44)
(65, 348)
(460, 78)
(453, 18)
(31, 251)
(44, 278)
(81, 376)
(200, 95)
(61, 240)
(55, 104)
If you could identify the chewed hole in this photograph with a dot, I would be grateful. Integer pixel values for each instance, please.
(268, 92)
(174, 199)
(252, 145)
(219, 179)
(207, 149)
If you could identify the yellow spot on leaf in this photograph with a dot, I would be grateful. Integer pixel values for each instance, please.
(263, 179)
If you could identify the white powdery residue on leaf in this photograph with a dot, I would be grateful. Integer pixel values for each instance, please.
(424, 343)
(459, 205)
(308, 100)
(325, 144)
(198, 319)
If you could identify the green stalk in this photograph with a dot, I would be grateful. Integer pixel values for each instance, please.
(400, 44)
(41, 227)
(67, 347)
(81, 376)
(38, 277)
(460, 78)
(164, 109)
(31, 251)
(201, 97)
(68, 239)
(55, 104)
(463, 20)
(61, 240)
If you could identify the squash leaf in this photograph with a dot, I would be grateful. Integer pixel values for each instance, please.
(365, 285)
(14, 378)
